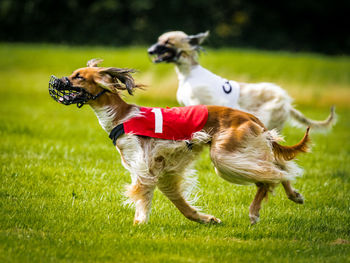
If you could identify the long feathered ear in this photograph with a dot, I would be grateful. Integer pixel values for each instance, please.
(195, 40)
(115, 79)
(94, 62)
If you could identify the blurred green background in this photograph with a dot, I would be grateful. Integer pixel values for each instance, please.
(299, 25)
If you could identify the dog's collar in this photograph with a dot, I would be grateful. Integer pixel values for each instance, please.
(116, 133)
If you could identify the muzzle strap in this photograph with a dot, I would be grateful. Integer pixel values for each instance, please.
(81, 104)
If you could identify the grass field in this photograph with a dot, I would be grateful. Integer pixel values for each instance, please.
(61, 179)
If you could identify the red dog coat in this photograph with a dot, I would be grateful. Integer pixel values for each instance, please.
(177, 123)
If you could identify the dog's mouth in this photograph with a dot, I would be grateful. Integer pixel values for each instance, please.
(162, 53)
(62, 91)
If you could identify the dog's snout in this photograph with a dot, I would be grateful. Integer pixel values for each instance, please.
(65, 80)
(153, 49)
(60, 83)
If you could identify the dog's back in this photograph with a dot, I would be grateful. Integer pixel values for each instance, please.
(202, 86)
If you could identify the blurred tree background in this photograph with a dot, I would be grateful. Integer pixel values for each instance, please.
(298, 25)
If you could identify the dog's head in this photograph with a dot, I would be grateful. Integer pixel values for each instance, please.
(176, 45)
(87, 84)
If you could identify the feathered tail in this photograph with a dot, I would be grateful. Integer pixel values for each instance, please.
(288, 153)
(326, 124)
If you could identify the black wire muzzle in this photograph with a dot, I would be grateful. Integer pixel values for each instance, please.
(62, 91)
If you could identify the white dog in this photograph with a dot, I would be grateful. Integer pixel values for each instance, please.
(197, 85)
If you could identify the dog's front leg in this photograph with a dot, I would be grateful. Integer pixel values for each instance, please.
(141, 195)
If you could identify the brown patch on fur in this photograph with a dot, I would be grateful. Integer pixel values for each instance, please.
(290, 152)
(136, 191)
(255, 206)
(94, 79)
(238, 123)
(227, 117)
(133, 191)
(117, 78)
(120, 79)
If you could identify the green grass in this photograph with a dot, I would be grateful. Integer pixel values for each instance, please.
(61, 180)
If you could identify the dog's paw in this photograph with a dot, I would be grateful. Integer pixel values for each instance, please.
(254, 219)
(209, 219)
(214, 220)
(138, 222)
(297, 198)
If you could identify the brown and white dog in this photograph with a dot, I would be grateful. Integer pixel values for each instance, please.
(242, 150)
(197, 85)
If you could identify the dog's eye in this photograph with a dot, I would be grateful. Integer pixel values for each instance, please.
(167, 42)
(78, 76)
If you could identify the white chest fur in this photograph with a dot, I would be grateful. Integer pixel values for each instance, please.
(105, 116)
(108, 116)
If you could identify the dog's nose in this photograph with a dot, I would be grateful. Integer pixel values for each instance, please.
(152, 49)
(65, 80)
(62, 83)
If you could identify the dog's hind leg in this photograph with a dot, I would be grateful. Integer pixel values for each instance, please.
(171, 187)
(256, 204)
(141, 195)
(292, 193)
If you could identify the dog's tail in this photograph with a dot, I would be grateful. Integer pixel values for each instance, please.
(288, 153)
(318, 125)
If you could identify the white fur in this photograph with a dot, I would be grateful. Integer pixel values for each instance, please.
(107, 114)
(267, 101)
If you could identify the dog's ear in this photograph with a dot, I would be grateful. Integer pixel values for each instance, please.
(114, 79)
(195, 40)
(94, 62)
